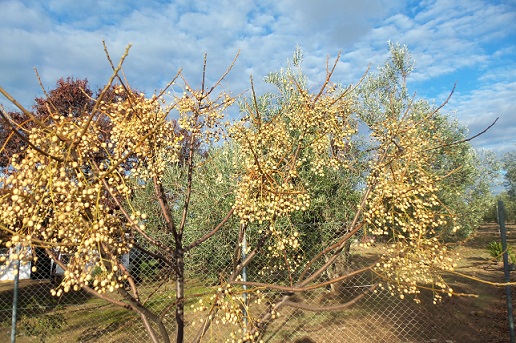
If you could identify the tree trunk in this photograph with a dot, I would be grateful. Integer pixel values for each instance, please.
(340, 267)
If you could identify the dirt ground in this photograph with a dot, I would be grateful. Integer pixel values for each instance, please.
(477, 313)
(483, 318)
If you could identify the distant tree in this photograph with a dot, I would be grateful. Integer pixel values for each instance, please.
(10, 140)
(509, 165)
(509, 206)
(70, 97)
(508, 197)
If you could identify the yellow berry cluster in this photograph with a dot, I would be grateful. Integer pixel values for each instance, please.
(141, 133)
(202, 116)
(404, 207)
(228, 307)
(305, 129)
(57, 194)
(283, 252)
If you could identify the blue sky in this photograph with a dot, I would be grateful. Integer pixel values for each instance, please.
(471, 42)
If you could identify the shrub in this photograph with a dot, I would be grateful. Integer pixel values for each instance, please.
(496, 251)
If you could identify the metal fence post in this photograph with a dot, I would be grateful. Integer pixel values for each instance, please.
(244, 276)
(501, 216)
(15, 296)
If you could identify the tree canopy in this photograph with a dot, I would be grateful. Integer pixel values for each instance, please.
(99, 177)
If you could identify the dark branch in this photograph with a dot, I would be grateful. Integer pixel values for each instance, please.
(467, 139)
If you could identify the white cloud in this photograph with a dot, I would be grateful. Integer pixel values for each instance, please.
(479, 108)
(446, 38)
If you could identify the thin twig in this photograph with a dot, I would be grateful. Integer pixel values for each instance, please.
(8, 120)
(211, 233)
(23, 109)
(329, 73)
(467, 139)
(225, 74)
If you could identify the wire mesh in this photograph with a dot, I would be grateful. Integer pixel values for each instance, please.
(378, 316)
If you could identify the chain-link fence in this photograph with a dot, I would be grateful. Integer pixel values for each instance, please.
(378, 316)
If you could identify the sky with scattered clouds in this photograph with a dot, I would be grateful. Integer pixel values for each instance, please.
(471, 42)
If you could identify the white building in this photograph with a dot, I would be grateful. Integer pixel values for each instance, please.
(8, 267)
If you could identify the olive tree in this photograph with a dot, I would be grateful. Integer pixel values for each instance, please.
(509, 164)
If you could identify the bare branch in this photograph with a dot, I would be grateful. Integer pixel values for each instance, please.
(225, 74)
(165, 209)
(339, 307)
(211, 233)
(23, 109)
(101, 95)
(467, 139)
(329, 73)
(8, 120)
